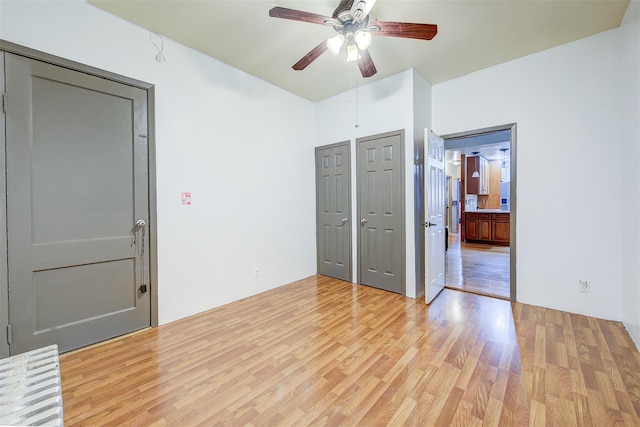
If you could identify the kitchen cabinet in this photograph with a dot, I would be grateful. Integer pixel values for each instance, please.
(479, 185)
(492, 228)
(471, 228)
(501, 229)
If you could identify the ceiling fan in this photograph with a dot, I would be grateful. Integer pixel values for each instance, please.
(350, 20)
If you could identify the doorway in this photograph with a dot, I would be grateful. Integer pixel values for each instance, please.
(481, 254)
(80, 217)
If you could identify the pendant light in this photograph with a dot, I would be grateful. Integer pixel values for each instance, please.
(504, 174)
(475, 173)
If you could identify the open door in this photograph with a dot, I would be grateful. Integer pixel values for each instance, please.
(434, 187)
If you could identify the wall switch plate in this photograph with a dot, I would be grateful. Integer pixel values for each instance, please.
(584, 286)
(256, 272)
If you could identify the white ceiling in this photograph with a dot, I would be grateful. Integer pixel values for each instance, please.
(472, 35)
(490, 152)
(487, 145)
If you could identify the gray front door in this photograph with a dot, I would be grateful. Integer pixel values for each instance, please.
(77, 185)
(333, 206)
(381, 211)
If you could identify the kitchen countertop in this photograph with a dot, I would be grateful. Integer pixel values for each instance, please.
(489, 211)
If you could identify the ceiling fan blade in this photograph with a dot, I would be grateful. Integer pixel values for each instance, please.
(367, 68)
(404, 30)
(311, 56)
(299, 15)
(361, 9)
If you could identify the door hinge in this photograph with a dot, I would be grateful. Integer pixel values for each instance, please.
(9, 334)
(5, 103)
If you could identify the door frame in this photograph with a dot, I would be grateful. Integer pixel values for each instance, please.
(512, 192)
(403, 276)
(350, 228)
(26, 52)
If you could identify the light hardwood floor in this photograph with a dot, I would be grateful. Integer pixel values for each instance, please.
(478, 268)
(323, 351)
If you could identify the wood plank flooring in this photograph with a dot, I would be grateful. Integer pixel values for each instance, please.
(325, 352)
(478, 268)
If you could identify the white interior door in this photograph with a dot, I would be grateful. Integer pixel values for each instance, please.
(434, 197)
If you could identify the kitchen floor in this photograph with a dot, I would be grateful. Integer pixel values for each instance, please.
(478, 268)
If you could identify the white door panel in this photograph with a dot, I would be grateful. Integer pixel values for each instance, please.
(434, 197)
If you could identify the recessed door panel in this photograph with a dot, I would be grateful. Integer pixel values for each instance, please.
(340, 196)
(87, 203)
(96, 291)
(371, 190)
(371, 250)
(388, 190)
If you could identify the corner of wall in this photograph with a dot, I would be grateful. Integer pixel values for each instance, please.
(630, 295)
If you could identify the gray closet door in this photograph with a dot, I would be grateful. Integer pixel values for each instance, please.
(381, 212)
(76, 186)
(333, 205)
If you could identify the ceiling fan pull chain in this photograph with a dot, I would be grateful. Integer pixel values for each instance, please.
(350, 81)
(351, 92)
(357, 105)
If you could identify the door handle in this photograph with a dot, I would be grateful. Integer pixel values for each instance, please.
(140, 223)
(363, 221)
(345, 220)
(429, 224)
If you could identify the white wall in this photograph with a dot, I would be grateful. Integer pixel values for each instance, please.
(566, 102)
(383, 106)
(630, 157)
(242, 147)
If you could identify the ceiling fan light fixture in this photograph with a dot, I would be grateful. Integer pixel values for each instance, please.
(363, 39)
(352, 52)
(334, 44)
(349, 18)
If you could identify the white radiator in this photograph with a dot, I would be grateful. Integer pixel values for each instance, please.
(30, 390)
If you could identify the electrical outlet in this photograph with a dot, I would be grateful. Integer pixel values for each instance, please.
(584, 286)
(256, 273)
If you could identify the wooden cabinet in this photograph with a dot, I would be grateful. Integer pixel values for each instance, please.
(471, 228)
(501, 229)
(484, 176)
(478, 185)
(484, 229)
(490, 228)
(473, 184)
